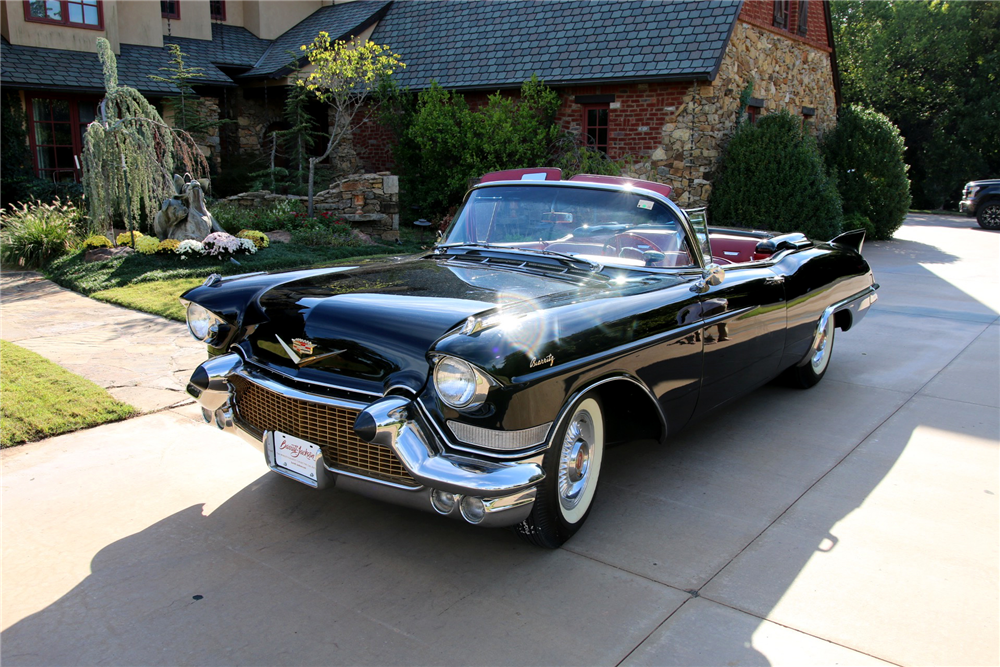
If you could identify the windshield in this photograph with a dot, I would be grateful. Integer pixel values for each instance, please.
(606, 226)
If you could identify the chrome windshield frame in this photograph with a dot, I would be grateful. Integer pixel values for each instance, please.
(677, 211)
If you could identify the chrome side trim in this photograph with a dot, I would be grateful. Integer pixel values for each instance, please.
(858, 304)
(564, 411)
(453, 444)
(492, 439)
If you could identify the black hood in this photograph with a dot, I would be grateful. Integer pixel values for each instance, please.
(374, 325)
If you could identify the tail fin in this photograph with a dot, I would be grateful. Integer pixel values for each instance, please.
(854, 239)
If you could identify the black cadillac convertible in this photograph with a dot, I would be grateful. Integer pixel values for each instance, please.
(485, 379)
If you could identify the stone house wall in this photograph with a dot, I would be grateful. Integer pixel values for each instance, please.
(369, 202)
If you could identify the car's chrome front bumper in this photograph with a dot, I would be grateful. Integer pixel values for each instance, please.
(967, 206)
(506, 491)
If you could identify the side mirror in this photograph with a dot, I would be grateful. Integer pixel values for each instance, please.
(714, 274)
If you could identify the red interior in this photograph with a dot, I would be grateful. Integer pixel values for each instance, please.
(735, 249)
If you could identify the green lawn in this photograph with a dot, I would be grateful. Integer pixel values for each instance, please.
(158, 297)
(41, 399)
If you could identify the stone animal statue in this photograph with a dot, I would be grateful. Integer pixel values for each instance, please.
(184, 216)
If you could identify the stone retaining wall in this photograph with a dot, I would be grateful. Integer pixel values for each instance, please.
(369, 202)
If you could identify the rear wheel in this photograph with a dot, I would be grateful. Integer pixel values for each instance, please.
(809, 374)
(572, 467)
(988, 216)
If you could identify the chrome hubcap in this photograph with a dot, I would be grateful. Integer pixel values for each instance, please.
(574, 460)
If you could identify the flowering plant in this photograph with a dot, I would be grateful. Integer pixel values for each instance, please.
(188, 248)
(97, 241)
(125, 238)
(167, 247)
(147, 245)
(220, 244)
(259, 238)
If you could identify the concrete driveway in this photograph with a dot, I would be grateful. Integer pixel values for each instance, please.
(854, 523)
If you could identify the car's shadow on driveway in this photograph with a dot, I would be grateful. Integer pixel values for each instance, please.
(803, 524)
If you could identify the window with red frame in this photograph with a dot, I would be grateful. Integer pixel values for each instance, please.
(595, 126)
(754, 112)
(217, 8)
(72, 13)
(55, 134)
(781, 14)
(170, 9)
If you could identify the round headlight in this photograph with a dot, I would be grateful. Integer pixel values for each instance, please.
(455, 382)
(199, 320)
(459, 384)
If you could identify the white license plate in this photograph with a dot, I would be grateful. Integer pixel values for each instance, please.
(295, 454)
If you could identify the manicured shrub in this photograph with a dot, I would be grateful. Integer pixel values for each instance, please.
(271, 216)
(854, 221)
(147, 245)
(259, 238)
(772, 177)
(35, 234)
(442, 145)
(167, 247)
(97, 241)
(865, 153)
(125, 238)
(316, 233)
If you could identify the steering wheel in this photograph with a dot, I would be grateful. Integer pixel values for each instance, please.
(629, 244)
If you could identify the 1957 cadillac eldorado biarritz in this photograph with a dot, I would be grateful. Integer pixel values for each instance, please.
(484, 379)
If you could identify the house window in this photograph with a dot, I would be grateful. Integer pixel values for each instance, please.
(55, 134)
(595, 126)
(72, 13)
(217, 8)
(803, 17)
(170, 9)
(781, 14)
(755, 107)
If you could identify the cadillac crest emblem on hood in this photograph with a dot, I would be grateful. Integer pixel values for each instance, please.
(303, 346)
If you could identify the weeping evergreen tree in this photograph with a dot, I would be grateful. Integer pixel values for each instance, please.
(130, 154)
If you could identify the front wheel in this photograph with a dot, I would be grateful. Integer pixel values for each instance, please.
(810, 373)
(988, 216)
(572, 466)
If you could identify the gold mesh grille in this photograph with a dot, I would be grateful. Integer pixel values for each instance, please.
(330, 427)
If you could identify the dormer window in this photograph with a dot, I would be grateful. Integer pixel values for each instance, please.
(170, 9)
(71, 13)
(217, 9)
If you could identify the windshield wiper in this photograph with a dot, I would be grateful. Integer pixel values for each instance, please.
(563, 258)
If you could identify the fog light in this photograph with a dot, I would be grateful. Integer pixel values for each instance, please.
(473, 509)
(206, 414)
(443, 502)
(223, 418)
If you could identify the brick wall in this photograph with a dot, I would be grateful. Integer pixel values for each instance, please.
(635, 123)
(761, 14)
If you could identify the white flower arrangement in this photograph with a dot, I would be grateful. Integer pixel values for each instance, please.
(220, 244)
(248, 246)
(188, 248)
